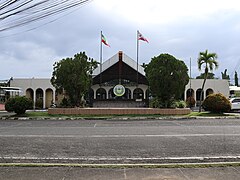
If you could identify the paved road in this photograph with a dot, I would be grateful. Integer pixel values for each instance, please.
(106, 141)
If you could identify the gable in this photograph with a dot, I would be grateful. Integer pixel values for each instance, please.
(120, 66)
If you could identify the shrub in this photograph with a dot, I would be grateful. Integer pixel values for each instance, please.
(179, 104)
(216, 103)
(154, 103)
(65, 103)
(18, 104)
(190, 102)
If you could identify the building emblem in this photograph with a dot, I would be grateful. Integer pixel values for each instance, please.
(119, 90)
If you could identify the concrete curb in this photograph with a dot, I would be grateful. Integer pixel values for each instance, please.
(167, 165)
(116, 118)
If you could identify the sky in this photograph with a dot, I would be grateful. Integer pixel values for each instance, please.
(180, 28)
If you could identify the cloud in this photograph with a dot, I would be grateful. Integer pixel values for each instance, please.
(181, 28)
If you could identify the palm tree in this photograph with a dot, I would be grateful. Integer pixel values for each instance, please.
(208, 60)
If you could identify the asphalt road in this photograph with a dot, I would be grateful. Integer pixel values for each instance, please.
(106, 141)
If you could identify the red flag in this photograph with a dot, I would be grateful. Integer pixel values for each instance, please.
(141, 37)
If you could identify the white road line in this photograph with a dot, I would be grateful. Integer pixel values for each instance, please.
(119, 158)
(125, 174)
(116, 136)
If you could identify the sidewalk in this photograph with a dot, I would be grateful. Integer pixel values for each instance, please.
(78, 173)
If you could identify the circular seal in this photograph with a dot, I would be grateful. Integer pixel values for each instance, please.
(119, 90)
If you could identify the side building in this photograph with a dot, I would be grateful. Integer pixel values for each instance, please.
(40, 90)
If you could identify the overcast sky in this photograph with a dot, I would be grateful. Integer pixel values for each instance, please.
(180, 28)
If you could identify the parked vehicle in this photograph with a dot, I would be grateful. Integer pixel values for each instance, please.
(235, 102)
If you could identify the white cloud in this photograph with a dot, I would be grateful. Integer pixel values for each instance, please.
(181, 28)
(158, 12)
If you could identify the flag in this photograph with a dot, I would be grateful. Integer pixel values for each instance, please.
(141, 37)
(104, 41)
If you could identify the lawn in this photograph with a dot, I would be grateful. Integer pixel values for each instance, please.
(192, 114)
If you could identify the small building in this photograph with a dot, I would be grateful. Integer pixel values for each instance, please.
(40, 90)
(194, 88)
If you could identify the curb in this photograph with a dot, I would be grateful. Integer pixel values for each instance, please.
(173, 165)
(116, 118)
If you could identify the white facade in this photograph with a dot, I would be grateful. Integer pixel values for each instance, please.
(211, 86)
(36, 88)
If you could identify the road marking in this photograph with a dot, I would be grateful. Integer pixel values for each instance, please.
(118, 158)
(125, 174)
(116, 136)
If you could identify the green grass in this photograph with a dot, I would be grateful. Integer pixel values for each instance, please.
(44, 114)
(207, 114)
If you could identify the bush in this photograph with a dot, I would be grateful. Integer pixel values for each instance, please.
(18, 104)
(216, 103)
(65, 103)
(179, 104)
(190, 102)
(154, 103)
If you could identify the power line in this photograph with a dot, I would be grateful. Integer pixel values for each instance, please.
(22, 12)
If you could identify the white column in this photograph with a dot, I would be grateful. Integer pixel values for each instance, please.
(34, 99)
(44, 99)
(94, 93)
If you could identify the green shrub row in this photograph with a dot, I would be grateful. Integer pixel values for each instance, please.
(18, 104)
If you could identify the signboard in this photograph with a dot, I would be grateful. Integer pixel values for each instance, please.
(119, 90)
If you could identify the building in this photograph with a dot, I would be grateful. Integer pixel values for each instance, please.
(40, 90)
(194, 87)
(118, 82)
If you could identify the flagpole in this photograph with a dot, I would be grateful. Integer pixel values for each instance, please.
(190, 73)
(101, 59)
(137, 55)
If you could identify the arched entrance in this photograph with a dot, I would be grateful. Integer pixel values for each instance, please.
(29, 93)
(190, 93)
(49, 98)
(138, 94)
(209, 91)
(39, 99)
(198, 96)
(101, 94)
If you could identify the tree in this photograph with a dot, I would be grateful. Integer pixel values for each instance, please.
(225, 75)
(209, 76)
(74, 76)
(167, 77)
(208, 60)
(236, 78)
